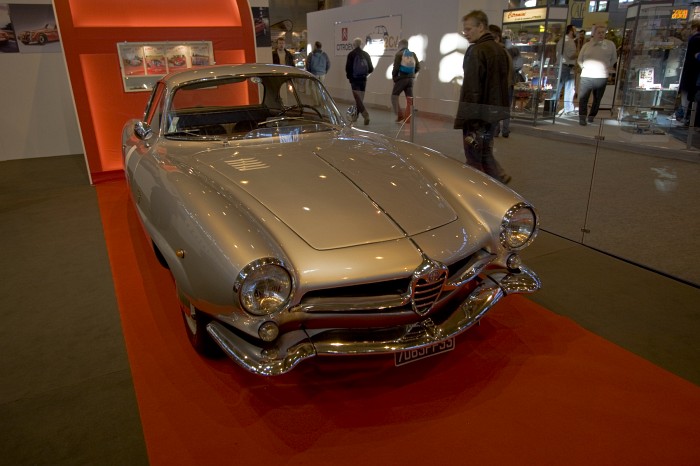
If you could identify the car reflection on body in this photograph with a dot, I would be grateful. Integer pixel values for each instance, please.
(291, 234)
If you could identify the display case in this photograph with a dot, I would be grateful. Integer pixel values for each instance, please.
(535, 32)
(650, 64)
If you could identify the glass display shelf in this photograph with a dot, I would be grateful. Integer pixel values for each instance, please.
(650, 64)
(535, 32)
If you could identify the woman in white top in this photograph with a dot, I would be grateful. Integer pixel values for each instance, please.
(597, 58)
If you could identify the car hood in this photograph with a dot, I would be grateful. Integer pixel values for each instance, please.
(333, 192)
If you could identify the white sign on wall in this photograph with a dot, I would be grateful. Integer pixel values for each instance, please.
(379, 35)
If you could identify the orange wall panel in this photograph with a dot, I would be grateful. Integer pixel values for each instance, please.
(90, 31)
(155, 13)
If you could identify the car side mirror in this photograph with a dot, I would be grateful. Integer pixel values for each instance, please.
(143, 130)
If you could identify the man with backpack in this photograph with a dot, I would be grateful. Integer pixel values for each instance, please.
(317, 63)
(406, 66)
(357, 67)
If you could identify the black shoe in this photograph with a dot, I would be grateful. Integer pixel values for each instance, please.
(505, 135)
(506, 179)
(582, 121)
(591, 119)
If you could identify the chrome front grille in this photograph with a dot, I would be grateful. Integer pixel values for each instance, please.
(416, 293)
(427, 284)
(425, 293)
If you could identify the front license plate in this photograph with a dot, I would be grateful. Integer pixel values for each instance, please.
(404, 357)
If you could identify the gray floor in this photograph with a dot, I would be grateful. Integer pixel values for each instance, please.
(67, 395)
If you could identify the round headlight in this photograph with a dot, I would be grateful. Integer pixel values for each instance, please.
(518, 227)
(264, 287)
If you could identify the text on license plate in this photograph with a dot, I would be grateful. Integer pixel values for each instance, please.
(404, 357)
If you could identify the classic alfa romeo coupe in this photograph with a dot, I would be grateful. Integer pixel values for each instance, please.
(291, 234)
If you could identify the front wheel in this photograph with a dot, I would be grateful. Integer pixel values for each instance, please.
(196, 328)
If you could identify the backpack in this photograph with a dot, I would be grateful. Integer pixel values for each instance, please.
(360, 69)
(408, 62)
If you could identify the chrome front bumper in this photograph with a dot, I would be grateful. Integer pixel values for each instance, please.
(298, 345)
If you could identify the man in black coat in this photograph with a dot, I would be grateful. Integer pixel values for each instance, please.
(280, 51)
(691, 70)
(357, 67)
(483, 99)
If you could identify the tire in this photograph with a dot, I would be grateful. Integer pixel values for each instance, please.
(42, 39)
(196, 327)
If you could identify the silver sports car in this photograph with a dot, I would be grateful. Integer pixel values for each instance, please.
(291, 234)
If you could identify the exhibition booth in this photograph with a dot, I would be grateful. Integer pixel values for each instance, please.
(524, 386)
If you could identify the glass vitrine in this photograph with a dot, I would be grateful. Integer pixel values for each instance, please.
(650, 65)
(534, 32)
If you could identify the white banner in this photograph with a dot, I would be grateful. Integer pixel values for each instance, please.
(379, 35)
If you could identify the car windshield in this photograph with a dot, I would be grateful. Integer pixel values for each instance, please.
(238, 107)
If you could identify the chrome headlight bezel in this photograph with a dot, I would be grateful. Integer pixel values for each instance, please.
(264, 287)
(519, 227)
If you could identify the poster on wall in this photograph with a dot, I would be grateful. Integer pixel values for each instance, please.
(201, 55)
(35, 28)
(155, 60)
(178, 57)
(132, 60)
(380, 36)
(261, 21)
(8, 42)
(143, 63)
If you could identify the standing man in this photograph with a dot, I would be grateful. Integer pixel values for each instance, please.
(691, 70)
(281, 55)
(357, 67)
(503, 126)
(596, 59)
(317, 63)
(483, 99)
(406, 66)
(567, 54)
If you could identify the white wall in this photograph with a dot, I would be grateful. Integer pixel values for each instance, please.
(431, 28)
(38, 116)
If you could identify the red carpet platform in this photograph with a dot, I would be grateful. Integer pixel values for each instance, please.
(526, 387)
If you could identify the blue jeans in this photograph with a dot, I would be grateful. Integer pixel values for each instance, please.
(567, 81)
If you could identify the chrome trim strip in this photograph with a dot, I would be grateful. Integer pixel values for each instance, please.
(353, 303)
(477, 263)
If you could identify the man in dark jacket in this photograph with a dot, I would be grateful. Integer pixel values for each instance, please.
(483, 99)
(403, 74)
(357, 67)
(280, 51)
(691, 71)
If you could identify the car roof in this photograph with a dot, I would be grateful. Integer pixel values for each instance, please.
(248, 69)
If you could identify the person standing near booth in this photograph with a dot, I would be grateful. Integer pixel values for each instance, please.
(596, 59)
(567, 54)
(403, 73)
(357, 67)
(483, 98)
(282, 56)
(691, 70)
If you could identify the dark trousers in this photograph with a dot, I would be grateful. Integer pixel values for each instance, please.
(588, 86)
(358, 87)
(478, 150)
